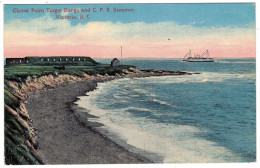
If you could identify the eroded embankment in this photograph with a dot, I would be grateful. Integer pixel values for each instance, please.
(20, 135)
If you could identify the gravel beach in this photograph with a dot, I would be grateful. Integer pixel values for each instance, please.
(62, 138)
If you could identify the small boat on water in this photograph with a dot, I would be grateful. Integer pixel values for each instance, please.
(204, 57)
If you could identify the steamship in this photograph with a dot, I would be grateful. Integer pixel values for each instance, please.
(204, 57)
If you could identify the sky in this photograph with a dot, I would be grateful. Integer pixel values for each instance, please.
(144, 31)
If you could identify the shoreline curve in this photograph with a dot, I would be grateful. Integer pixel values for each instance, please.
(63, 139)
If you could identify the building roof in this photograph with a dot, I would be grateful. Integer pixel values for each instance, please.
(56, 56)
(115, 60)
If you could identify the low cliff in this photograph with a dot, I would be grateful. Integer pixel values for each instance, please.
(20, 135)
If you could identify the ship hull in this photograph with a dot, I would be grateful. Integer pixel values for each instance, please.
(199, 60)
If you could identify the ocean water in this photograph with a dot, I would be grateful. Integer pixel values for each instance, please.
(207, 117)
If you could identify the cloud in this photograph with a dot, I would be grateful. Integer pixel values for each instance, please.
(44, 25)
(138, 37)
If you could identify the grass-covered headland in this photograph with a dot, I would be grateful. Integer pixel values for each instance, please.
(19, 73)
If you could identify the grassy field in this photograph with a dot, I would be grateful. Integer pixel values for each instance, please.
(19, 73)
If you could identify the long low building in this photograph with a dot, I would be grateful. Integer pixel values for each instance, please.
(55, 60)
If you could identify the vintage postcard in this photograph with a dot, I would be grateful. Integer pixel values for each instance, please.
(116, 83)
